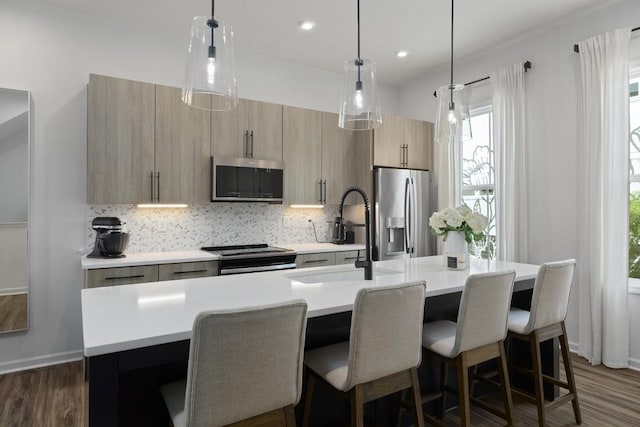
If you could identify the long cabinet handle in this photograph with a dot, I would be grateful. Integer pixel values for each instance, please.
(320, 188)
(313, 261)
(158, 186)
(350, 257)
(246, 143)
(151, 174)
(190, 271)
(324, 192)
(137, 276)
(406, 155)
(251, 145)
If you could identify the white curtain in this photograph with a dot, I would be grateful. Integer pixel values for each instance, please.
(603, 221)
(448, 176)
(510, 172)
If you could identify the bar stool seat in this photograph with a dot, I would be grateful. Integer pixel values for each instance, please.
(382, 354)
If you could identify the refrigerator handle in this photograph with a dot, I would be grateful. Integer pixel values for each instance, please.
(414, 216)
(407, 219)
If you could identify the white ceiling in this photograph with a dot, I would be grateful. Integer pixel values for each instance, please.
(269, 27)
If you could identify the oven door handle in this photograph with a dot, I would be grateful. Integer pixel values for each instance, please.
(287, 266)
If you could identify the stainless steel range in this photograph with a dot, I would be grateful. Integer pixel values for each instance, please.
(253, 258)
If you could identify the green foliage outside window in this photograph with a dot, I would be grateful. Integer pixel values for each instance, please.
(634, 235)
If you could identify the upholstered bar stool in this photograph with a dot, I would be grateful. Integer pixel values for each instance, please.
(546, 321)
(477, 336)
(382, 354)
(245, 368)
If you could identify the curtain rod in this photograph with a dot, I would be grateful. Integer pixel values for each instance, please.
(527, 67)
(576, 48)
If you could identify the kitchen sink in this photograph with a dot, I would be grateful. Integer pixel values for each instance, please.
(338, 275)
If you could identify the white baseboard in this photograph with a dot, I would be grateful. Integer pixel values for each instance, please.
(40, 361)
(633, 363)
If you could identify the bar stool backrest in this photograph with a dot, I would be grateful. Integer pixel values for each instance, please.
(484, 309)
(551, 294)
(245, 363)
(386, 332)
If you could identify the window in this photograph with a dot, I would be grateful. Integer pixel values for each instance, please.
(634, 178)
(478, 177)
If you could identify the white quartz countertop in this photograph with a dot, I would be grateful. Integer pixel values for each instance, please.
(148, 258)
(313, 248)
(126, 317)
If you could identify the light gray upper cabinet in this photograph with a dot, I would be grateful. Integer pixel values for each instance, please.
(252, 129)
(338, 160)
(144, 144)
(302, 155)
(182, 149)
(403, 143)
(120, 140)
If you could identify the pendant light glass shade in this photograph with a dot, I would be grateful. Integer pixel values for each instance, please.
(452, 120)
(210, 75)
(359, 104)
(452, 124)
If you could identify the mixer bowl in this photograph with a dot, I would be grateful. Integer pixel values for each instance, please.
(113, 243)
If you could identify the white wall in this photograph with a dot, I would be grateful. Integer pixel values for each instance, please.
(552, 132)
(51, 52)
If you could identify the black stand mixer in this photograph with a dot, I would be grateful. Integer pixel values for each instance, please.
(111, 237)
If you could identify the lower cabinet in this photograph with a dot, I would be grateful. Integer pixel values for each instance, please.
(315, 260)
(348, 257)
(327, 258)
(149, 273)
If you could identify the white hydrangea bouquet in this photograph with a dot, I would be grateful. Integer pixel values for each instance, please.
(461, 219)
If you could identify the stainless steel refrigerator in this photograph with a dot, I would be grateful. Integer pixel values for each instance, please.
(402, 206)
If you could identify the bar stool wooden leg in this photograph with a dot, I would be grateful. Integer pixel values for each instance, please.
(289, 416)
(505, 385)
(463, 391)
(311, 380)
(417, 399)
(444, 369)
(564, 347)
(357, 406)
(537, 376)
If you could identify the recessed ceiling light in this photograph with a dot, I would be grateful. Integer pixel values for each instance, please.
(402, 53)
(306, 25)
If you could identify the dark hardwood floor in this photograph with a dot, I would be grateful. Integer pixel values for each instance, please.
(55, 396)
(13, 312)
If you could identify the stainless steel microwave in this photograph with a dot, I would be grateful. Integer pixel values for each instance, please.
(246, 180)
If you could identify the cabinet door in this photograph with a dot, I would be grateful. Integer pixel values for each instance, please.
(187, 270)
(418, 136)
(315, 260)
(229, 131)
(364, 160)
(120, 140)
(121, 276)
(183, 149)
(349, 257)
(388, 139)
(338, 160)
(302, 154)
(265, 124)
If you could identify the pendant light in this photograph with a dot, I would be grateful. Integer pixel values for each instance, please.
(210, 79)
(359, 104)
(452, 122)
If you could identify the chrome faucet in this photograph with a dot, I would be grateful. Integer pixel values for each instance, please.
(367, 264)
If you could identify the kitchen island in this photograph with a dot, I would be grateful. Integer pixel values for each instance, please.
(136, 327)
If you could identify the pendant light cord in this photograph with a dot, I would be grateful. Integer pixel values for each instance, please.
(359, 30)
(451, 70)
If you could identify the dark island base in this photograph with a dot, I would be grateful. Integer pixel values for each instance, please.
(123, 387)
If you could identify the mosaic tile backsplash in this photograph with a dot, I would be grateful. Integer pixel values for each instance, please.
(160, 230)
